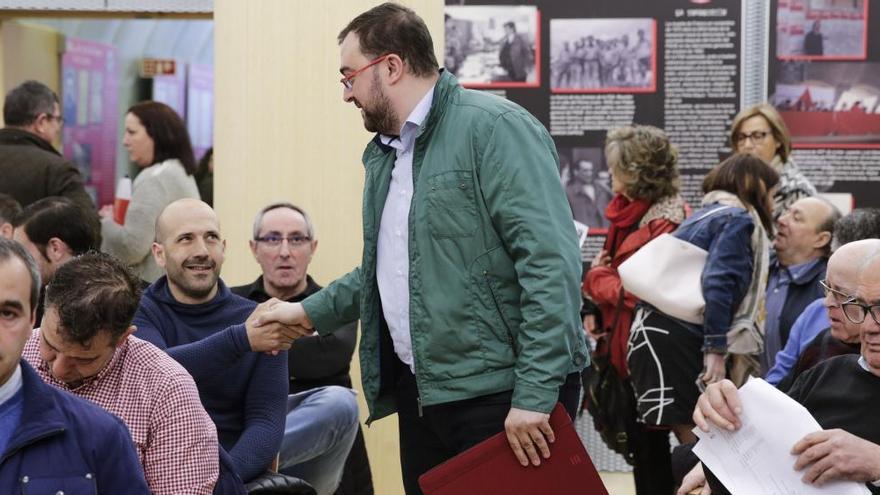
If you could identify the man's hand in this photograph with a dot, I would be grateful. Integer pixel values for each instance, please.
(528, 433)
(591, 329)
(719, 405)
(694, 482)
(832, 455)
(268, 334)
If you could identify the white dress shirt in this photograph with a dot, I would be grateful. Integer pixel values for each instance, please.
(392, 264)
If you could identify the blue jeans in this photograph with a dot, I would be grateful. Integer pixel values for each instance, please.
(320, 427)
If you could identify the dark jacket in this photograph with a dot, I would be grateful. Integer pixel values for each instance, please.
(726, 236)
(802, 291)
(67, 444)
(315, 361)
(31, 169)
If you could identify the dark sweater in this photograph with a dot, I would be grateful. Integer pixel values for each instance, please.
(313, 361)
(824, 346)
(244, 392)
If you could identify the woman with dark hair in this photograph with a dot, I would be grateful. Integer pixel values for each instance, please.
(671, 360)
(644, 180)
(158, 143)
(205, 177)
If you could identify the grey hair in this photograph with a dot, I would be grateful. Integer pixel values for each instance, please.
(861, 223)
(258, 220)
(10, 249)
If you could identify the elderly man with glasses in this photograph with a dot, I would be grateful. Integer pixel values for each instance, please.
(842, 393)
(30, 165)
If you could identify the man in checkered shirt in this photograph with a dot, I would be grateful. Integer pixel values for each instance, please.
(85, 346)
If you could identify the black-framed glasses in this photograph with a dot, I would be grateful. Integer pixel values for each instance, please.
(839, 297)
(856, 312)
(273, 240)
(348, 81)
(757, 137)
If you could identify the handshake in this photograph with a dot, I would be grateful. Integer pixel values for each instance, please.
(275, 324)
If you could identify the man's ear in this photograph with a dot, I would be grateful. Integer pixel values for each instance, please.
(396, 68)
(130, 330)
(822, 239)
(158, 251)
(253, 246)
(57, 250)
(6, 230)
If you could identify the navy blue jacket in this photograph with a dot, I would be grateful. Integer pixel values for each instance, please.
(801, 292)
(67, 444)
(727, 236)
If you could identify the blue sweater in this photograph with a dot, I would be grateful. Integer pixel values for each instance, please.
(244, 392)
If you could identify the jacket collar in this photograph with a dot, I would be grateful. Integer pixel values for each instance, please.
(256, 292)
(11, 135)
(41, 414)
(446, 86)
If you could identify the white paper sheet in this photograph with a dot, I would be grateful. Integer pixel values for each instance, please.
(756, 459)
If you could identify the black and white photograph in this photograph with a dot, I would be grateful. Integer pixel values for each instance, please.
(587, 184)
(603, 55)
(821, 29)
(835, 104)
(493, 46)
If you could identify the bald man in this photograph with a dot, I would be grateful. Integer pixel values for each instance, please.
(842, 393)
(840, 335)
(191, 314)
(802, 245)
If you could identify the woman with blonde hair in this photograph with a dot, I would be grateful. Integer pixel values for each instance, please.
(644, 180)
(760, 131)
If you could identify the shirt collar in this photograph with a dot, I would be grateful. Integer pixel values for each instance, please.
(411, 125)
(799, 273)
(12, 385)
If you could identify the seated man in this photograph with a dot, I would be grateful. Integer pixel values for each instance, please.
(283, 244)
(51, 441)
(842, 393)
(840, 336)
(861, 223)
(193, 316)
(84, 346)
(54, 230)
(802, 245)
(9, 209)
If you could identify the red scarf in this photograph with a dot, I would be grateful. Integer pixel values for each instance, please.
(623, 214)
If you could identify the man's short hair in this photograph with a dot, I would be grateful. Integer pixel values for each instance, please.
(258, 220)
(93, 293)
(828, 223)
(861, 223)
(59, 217)
(9, 208)
(25, 102)
(10, 249)
(393, 28)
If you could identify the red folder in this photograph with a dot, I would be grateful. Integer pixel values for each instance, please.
(490, 467)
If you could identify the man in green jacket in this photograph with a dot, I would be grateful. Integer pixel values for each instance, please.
(468, 289)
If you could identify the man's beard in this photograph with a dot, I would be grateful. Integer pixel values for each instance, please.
(196, 290)
(381, 117)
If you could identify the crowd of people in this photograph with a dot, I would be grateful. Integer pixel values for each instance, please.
(121, 341)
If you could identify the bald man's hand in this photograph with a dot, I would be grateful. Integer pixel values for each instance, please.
(269, 334)
(719, 405)
(291, 315)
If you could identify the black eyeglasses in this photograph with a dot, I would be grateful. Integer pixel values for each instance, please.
(757, 137)
(59, 118)
(839, 297)
(273, 240)
(856, 312)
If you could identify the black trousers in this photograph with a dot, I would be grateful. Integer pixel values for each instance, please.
(442, 431)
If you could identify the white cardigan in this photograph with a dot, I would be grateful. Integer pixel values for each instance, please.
(153, 189)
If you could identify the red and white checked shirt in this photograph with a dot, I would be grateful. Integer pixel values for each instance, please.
(158, 401)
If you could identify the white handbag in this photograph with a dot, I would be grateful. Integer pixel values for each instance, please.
(667, 274)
